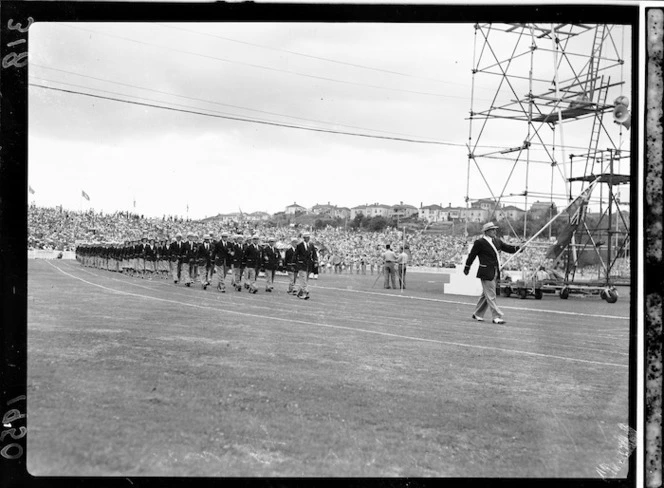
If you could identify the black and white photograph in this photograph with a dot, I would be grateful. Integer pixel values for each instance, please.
(369, 242)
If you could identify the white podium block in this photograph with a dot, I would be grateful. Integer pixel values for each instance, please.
(460, 284)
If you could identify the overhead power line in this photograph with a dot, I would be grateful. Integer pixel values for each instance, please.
(193, 98)
(310, 56)
(255, 121)
(268, 68)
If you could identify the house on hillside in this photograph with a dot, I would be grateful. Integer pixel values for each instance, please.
(510, 212)
(341, 212)
(451, 213)
(431, 213)
(378, 210)
(543, 208)
(355, 211)
(294, 208)
(474, 214)
(323, 209)
(257, 216)
(402, 211)
(228, 218)
(486, 204)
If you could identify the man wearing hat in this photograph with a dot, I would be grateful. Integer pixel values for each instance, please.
(221, 261)
(271, 258)
(205, 258)
(236, 250)
(251, 261)
(306, 259)
(389, 258)
(189, 256)
(488, 248)
(176, 253)
(150, 257)
(163, 257)
(290, 265)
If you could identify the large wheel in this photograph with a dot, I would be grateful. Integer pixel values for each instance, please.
(611, 295)
(538, 294)
(507, 291)
(564, 293)
(523, 293)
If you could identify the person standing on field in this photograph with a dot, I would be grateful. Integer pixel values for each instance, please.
(306, 260)
(402, 262)
(251, 261)
(221, 261)
(389, 258)
(205, 259)
(487, 248)
(176, 252)
(271, 259)
(189, 251)
(236, 250)
(290, 266)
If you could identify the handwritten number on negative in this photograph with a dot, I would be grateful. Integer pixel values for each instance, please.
(13, 59)
(19, 27)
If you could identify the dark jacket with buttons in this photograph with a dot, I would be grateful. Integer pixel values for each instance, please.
(488, 259)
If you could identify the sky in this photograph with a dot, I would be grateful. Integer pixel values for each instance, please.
(403, 90)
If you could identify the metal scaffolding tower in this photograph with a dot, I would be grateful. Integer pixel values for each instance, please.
(551, 87)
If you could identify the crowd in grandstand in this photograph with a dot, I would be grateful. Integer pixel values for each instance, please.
(339, 250)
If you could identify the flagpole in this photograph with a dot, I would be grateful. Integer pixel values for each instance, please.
(521, 248)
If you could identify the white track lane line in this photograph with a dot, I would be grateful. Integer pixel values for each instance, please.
(360, 320)
(561, 312)
(341, 327)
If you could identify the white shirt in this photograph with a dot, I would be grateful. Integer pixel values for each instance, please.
(494, 249)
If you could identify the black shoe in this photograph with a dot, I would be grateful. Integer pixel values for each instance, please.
(187, 284)
(205, 287)
(479, 319)
(254, 291)
(306, 296)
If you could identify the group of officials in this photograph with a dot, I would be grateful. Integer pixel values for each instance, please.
(209, 261)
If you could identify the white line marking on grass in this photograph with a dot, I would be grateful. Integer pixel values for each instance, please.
(561, 312)
(341, 327)
(348, 319)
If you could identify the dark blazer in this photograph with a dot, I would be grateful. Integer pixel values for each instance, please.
(488, 259)
(290, 259)
(305, 259)
(189, 251)
(176, 252)
(150, 253)
(271, 257)
(205, 257)
(252, 256)
(221, 253)
(236, 249)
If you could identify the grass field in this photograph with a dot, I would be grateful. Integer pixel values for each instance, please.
(130, 377)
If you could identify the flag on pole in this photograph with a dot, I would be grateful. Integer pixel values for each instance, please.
(85, 195)
(576, 211)
(32, 192)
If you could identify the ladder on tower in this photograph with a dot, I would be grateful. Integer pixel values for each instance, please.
(603, 92)
(593, 62)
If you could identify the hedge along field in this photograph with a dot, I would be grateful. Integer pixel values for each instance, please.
(130, 377)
